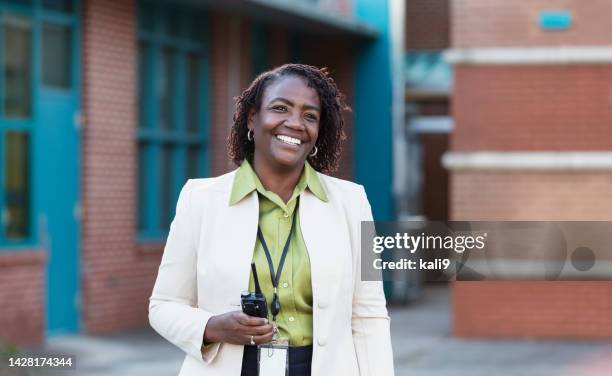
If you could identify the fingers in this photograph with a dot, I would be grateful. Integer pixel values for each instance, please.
(247, 320)
(257, 330)
(260, 339)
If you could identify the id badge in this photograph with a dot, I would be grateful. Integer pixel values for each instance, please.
(273, 359)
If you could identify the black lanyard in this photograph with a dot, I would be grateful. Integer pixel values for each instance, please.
(276, 277)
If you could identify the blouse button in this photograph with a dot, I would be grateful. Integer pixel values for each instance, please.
(291, 318)
(285, 285)
(286, 215)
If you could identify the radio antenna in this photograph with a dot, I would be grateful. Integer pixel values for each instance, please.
(254, 269)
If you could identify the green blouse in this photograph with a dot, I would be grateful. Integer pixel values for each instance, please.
(294, 289)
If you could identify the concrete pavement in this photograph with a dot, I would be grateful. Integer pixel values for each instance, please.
(421, 343)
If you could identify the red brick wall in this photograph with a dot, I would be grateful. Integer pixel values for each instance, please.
(532, 309)
(427, 24)
(496, 23)
(532, 107)
(117, 278)
(531, 196)
(22, 293)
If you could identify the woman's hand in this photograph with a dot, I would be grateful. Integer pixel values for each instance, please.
(237, 328)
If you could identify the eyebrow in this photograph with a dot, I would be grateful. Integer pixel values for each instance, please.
(288, 102)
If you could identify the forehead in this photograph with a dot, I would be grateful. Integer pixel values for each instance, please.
(293, 88)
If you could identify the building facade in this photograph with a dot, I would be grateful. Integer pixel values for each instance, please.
(108, 106)
(532, 107)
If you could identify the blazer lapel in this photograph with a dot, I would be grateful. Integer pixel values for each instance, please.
(239, 223)
(326, 237)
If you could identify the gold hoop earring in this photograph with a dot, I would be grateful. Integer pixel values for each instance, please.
(316, 150)
(250, 135)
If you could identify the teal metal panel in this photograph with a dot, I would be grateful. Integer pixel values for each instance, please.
(427, 70)
(555, 20)
(372, 110)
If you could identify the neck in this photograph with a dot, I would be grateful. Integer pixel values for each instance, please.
(281, 182)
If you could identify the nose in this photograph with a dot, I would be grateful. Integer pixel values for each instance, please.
(294, 122)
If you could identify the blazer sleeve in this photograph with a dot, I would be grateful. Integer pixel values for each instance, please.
(173, 311)
(370, 320)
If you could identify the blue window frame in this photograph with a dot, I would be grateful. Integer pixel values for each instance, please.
(172, 108)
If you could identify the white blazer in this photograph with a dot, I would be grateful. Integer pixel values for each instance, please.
(206, 265)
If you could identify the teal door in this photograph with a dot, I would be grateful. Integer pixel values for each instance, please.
(57, 136)
(58, 177)
(39, 145)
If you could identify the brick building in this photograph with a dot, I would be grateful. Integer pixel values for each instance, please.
(108, 106)
(532, 108)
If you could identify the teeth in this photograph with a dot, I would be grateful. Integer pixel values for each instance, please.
(289, 140)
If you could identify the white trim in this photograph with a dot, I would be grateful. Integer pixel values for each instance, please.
(544, 161)
(531, 55)
(431, 124)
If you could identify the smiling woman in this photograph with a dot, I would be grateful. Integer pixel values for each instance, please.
(320, 106)
(297, 226)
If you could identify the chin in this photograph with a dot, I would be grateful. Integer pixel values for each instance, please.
(288, 161)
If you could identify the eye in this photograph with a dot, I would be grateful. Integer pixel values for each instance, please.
(311, 117)
(279, 108)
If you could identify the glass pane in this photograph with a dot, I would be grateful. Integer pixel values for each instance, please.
(17, 67)
(193, 162)
(165, 185)
(16, 186)
(146, 17)
(142, 186)
(172, 21)
(144, 82)
(58, 5)
(56, 55)
(193, 94)
(165, 83)
(197, 27)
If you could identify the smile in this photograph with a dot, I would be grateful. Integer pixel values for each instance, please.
(289, 140)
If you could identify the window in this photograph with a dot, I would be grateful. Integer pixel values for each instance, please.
(35, 54)
(17, 43)
(15, 127)
(56, 68)
(15, 217)
(172, 101)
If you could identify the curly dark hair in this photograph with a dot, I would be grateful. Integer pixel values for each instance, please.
(331, 124)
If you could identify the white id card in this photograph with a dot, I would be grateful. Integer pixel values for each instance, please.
(273, 360)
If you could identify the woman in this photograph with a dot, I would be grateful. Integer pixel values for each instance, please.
(287, 131)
